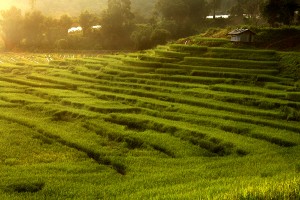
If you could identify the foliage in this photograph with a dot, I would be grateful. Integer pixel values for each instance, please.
(117, 23)
(12, 31)
(290, 64)
(146, 36)
(278, 38)
(72, 123)
(34, 21)
(182, 17)
(86, 21)
(279, 11)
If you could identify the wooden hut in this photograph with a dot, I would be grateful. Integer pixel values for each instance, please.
(242, 35)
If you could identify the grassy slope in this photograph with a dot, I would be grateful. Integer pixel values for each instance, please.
(179, 122)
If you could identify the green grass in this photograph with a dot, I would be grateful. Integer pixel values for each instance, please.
(171, 54)
(194, 49)
(24, 82)
(139, 63)
(157, 59)
(204, 41)
(250, 90)
(245, 54)
(222, 69)
(289, 64)
(232, 63)
(167, 123)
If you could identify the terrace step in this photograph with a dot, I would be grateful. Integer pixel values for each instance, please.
(231, 63)
(171, 54)
(191, 49)
(242, 54)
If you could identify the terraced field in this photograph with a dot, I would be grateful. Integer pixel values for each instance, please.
(176, 122)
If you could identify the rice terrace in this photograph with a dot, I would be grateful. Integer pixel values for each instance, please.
(150, 99)
(172, 122)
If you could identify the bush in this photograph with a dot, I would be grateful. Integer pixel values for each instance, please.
(159, 36)
(146, 36)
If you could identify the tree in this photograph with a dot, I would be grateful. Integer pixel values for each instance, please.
(176, 10)
(198, 10)
(117, 24)
(142, 36)
(52, 31)
(280, 11)
(146, 36)
(214, 5)
(182, 17)
(12, 29)
(86, 21)
(65, 22)
(183, 10)
(247, 10)
(34, 29)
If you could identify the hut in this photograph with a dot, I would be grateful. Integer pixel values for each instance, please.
(242, 35)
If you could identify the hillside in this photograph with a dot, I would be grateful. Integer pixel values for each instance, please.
(175, 122)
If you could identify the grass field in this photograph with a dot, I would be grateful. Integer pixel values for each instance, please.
(177, 122)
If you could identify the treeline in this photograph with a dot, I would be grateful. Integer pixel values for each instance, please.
(74, 7)
(121, 28)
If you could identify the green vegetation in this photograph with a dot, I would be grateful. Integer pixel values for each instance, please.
(143, 24)
(175, 122)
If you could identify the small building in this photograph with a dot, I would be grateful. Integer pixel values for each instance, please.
(242, 35)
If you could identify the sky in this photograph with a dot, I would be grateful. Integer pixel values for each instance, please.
(5, 4)
(56, 7)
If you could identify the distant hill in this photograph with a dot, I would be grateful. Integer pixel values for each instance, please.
(74, 7)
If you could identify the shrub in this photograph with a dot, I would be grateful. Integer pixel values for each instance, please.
(159, 36)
